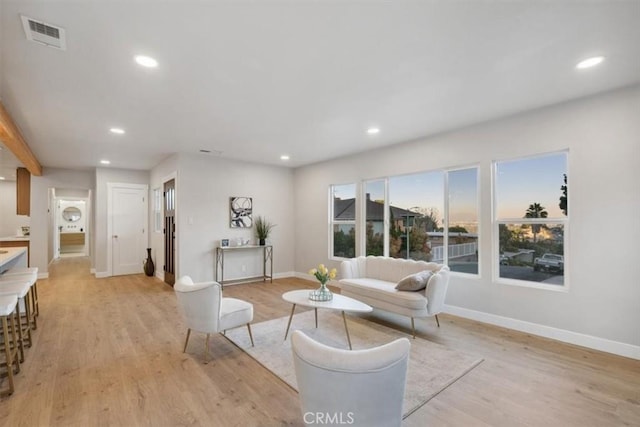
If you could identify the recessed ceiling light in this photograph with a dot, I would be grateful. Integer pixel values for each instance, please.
(146, 61)
(117, 131)
(590, 62)
(373, 131)
(1, 178)
(284, 157)
(105, 162)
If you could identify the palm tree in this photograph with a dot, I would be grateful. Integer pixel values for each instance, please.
(536, 211)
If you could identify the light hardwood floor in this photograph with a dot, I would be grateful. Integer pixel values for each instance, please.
(108, 352)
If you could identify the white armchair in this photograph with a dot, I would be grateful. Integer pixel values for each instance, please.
(206, 311)
(359, 388)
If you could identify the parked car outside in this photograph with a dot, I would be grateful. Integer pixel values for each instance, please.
(549, 262)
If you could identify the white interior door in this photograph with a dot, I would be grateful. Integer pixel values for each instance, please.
(128, 229)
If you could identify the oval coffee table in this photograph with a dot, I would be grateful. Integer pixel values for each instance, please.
(338, 303)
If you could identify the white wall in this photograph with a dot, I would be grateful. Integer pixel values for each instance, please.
(41, 252)
(9, 221)
(603, 136)
(104, 176)
(204, 187)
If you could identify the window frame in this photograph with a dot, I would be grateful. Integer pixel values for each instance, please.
(496, 222)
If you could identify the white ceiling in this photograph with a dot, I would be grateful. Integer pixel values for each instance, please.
(257, 79)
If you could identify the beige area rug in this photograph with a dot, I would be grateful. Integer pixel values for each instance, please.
(432, 367)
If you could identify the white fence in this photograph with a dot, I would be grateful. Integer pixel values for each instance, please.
(455, 251)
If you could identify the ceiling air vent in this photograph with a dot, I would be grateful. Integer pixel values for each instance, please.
(46, 34)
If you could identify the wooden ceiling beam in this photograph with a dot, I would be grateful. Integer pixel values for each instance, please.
(12, 138)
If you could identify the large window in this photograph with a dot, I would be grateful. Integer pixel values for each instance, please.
(343, 221)
(429, 216)
(531, 208)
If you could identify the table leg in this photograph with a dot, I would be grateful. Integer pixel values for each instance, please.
(289, 324)
(344, 319)
(316, 310)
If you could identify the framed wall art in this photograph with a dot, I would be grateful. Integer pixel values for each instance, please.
(240, 210)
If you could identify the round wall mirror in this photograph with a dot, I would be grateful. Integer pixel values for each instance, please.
(71, 214)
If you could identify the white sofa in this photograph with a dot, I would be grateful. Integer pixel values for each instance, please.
(373, 279)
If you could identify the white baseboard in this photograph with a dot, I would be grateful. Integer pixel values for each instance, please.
(589, 341)
(43, 275)
(284, 274)
(102, 274)
(307, 276)
(92, 271)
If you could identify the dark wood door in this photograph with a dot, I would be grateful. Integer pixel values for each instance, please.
(169, 231)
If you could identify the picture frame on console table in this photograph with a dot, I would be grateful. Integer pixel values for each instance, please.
(224, 243)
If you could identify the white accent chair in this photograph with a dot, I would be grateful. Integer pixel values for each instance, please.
(206, 311)
(358, 388)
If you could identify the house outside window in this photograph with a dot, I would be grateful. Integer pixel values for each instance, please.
(343, 221)
(531, 220)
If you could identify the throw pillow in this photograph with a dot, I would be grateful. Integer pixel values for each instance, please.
(414, 282)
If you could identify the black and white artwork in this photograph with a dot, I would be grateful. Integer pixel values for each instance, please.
(240, 210)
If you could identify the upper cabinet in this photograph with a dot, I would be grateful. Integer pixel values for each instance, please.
(23, 192)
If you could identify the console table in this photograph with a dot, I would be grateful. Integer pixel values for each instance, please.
(267, 257)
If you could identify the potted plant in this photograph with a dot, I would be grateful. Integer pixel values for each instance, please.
(263, 229)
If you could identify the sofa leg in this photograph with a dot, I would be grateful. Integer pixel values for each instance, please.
(413, 327)
(437, 321)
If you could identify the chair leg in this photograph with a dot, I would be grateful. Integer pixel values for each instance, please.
(250, 334)
(34, 320)
(187, 340)
(413, 327)
(7, 351)
(14, 338)
(35, 298)
(206, 349)
(437, 321)
(20, 337)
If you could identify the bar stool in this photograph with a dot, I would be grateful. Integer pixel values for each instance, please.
(20, 289)
(32, 278)
(27, 270)
(8, 310)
